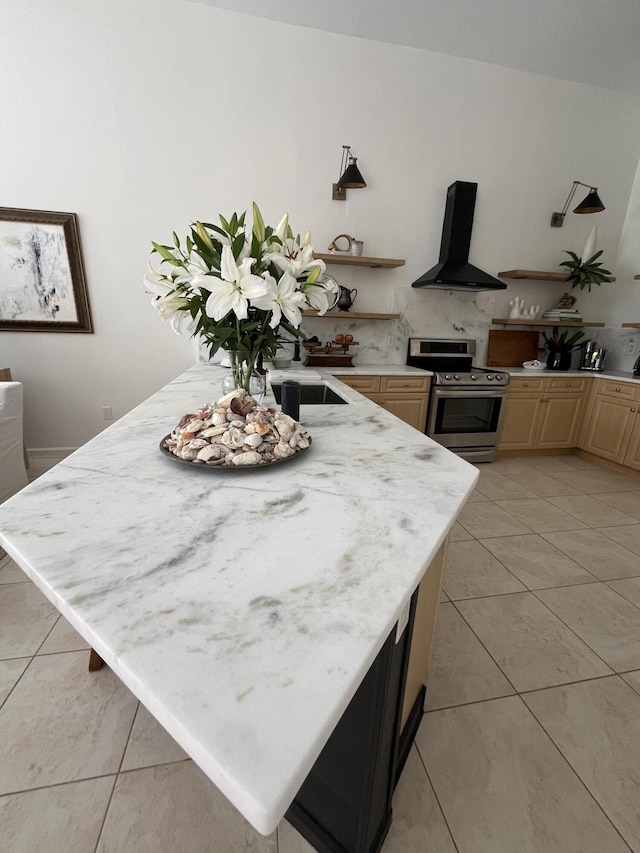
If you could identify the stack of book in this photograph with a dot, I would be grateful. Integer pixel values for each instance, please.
(563, 315)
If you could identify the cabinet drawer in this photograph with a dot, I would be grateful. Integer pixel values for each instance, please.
(363, 384)
(519, 383)
(625, 390)
(575, 383)
(405, 383)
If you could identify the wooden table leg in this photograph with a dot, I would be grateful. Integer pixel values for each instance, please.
(95, 661)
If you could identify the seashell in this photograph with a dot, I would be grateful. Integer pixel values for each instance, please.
(225, 402)
(257, 427)
(214, 430)
(233, 437)
(211, 452)
(232, 416)
(187, 453)
(218, 418)
(185, 420)
(282, 450)
(284, 425)
(299, 440)
(197, 444)
(251, 457)
(187, 436)
(195, 425)
(254, 440)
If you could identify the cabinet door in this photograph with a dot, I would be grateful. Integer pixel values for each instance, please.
(519, 423)
(632, 457)
(410, 408)
(610, 427)
(404, 384)
(364, 384)
(559, 420)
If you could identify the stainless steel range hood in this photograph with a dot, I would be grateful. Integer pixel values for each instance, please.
(453, 271)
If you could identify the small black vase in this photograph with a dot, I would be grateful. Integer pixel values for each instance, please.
(558, 360)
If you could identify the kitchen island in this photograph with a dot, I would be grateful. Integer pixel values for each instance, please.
(243, 608)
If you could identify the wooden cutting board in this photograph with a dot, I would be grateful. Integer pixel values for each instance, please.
(510, 349)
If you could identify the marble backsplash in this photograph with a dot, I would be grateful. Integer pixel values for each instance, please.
(442, 314)
(423, 313)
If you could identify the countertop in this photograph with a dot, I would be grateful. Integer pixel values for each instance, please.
(621, 375)
(243, 608)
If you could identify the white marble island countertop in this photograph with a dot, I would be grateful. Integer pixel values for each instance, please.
(243, 608)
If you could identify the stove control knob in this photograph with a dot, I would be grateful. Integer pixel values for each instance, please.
(490, 376)
(448, 376)
(474, 378)
(455, 376)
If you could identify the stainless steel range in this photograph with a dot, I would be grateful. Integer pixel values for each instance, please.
(466, 402)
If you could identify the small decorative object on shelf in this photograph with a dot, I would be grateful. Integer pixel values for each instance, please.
(346, 298)
(519, 312)
(560, 348)
(238, 288)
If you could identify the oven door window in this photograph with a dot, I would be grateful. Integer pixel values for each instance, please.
(456, 415)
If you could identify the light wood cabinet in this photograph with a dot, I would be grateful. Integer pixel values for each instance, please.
(613, 431)
(542, 413)
(406, 397)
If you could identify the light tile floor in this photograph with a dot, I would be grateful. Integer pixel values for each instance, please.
(531, 738)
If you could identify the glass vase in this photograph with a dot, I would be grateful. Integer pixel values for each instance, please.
(244, 374)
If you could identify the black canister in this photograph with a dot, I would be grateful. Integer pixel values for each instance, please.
(291, 399)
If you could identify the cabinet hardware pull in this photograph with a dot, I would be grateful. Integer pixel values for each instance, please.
(633, 410)
(526, 384)
(617, 389)
(406, 384)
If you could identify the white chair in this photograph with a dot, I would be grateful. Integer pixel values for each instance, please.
(13, 475)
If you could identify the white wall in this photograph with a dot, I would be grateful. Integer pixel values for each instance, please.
(619, 302)
(142, 117)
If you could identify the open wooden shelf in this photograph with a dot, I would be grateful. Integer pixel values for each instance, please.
(567, 324)
(354, 315)
(630, 325)
(358, 260)
(539, 275)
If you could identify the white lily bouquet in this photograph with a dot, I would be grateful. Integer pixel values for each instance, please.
(239, 289)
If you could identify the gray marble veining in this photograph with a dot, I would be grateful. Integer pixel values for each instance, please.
(243, 608)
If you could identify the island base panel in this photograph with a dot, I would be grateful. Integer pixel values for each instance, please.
(344, 804)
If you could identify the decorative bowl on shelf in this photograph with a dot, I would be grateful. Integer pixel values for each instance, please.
(534, 365)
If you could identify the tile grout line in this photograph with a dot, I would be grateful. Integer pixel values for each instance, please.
(115, 779)
(435, 794)
(575, 772)
(575, 632)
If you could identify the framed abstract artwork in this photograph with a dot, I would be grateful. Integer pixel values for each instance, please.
(42, 282)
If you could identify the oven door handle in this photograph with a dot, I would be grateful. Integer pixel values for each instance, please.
(468, 392)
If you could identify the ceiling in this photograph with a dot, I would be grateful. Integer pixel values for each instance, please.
(589, 41)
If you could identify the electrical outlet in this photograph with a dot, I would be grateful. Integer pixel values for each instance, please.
(391, 341)
(632, 347)
(107, 413)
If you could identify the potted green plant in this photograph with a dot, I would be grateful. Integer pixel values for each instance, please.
(560, 348)
(585, 273)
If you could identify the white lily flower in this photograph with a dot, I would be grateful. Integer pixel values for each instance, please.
(233, 288)
(321, 295)
(295, 259)
(167, 301)
(282, 297)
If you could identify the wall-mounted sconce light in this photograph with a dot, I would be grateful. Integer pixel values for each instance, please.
(590, 204)
(350, 176)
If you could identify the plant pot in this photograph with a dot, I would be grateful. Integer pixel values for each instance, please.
(558, 360)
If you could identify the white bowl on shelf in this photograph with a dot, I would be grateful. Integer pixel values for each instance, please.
(534, 365)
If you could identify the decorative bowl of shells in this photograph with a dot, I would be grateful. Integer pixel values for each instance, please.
(235, 433)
